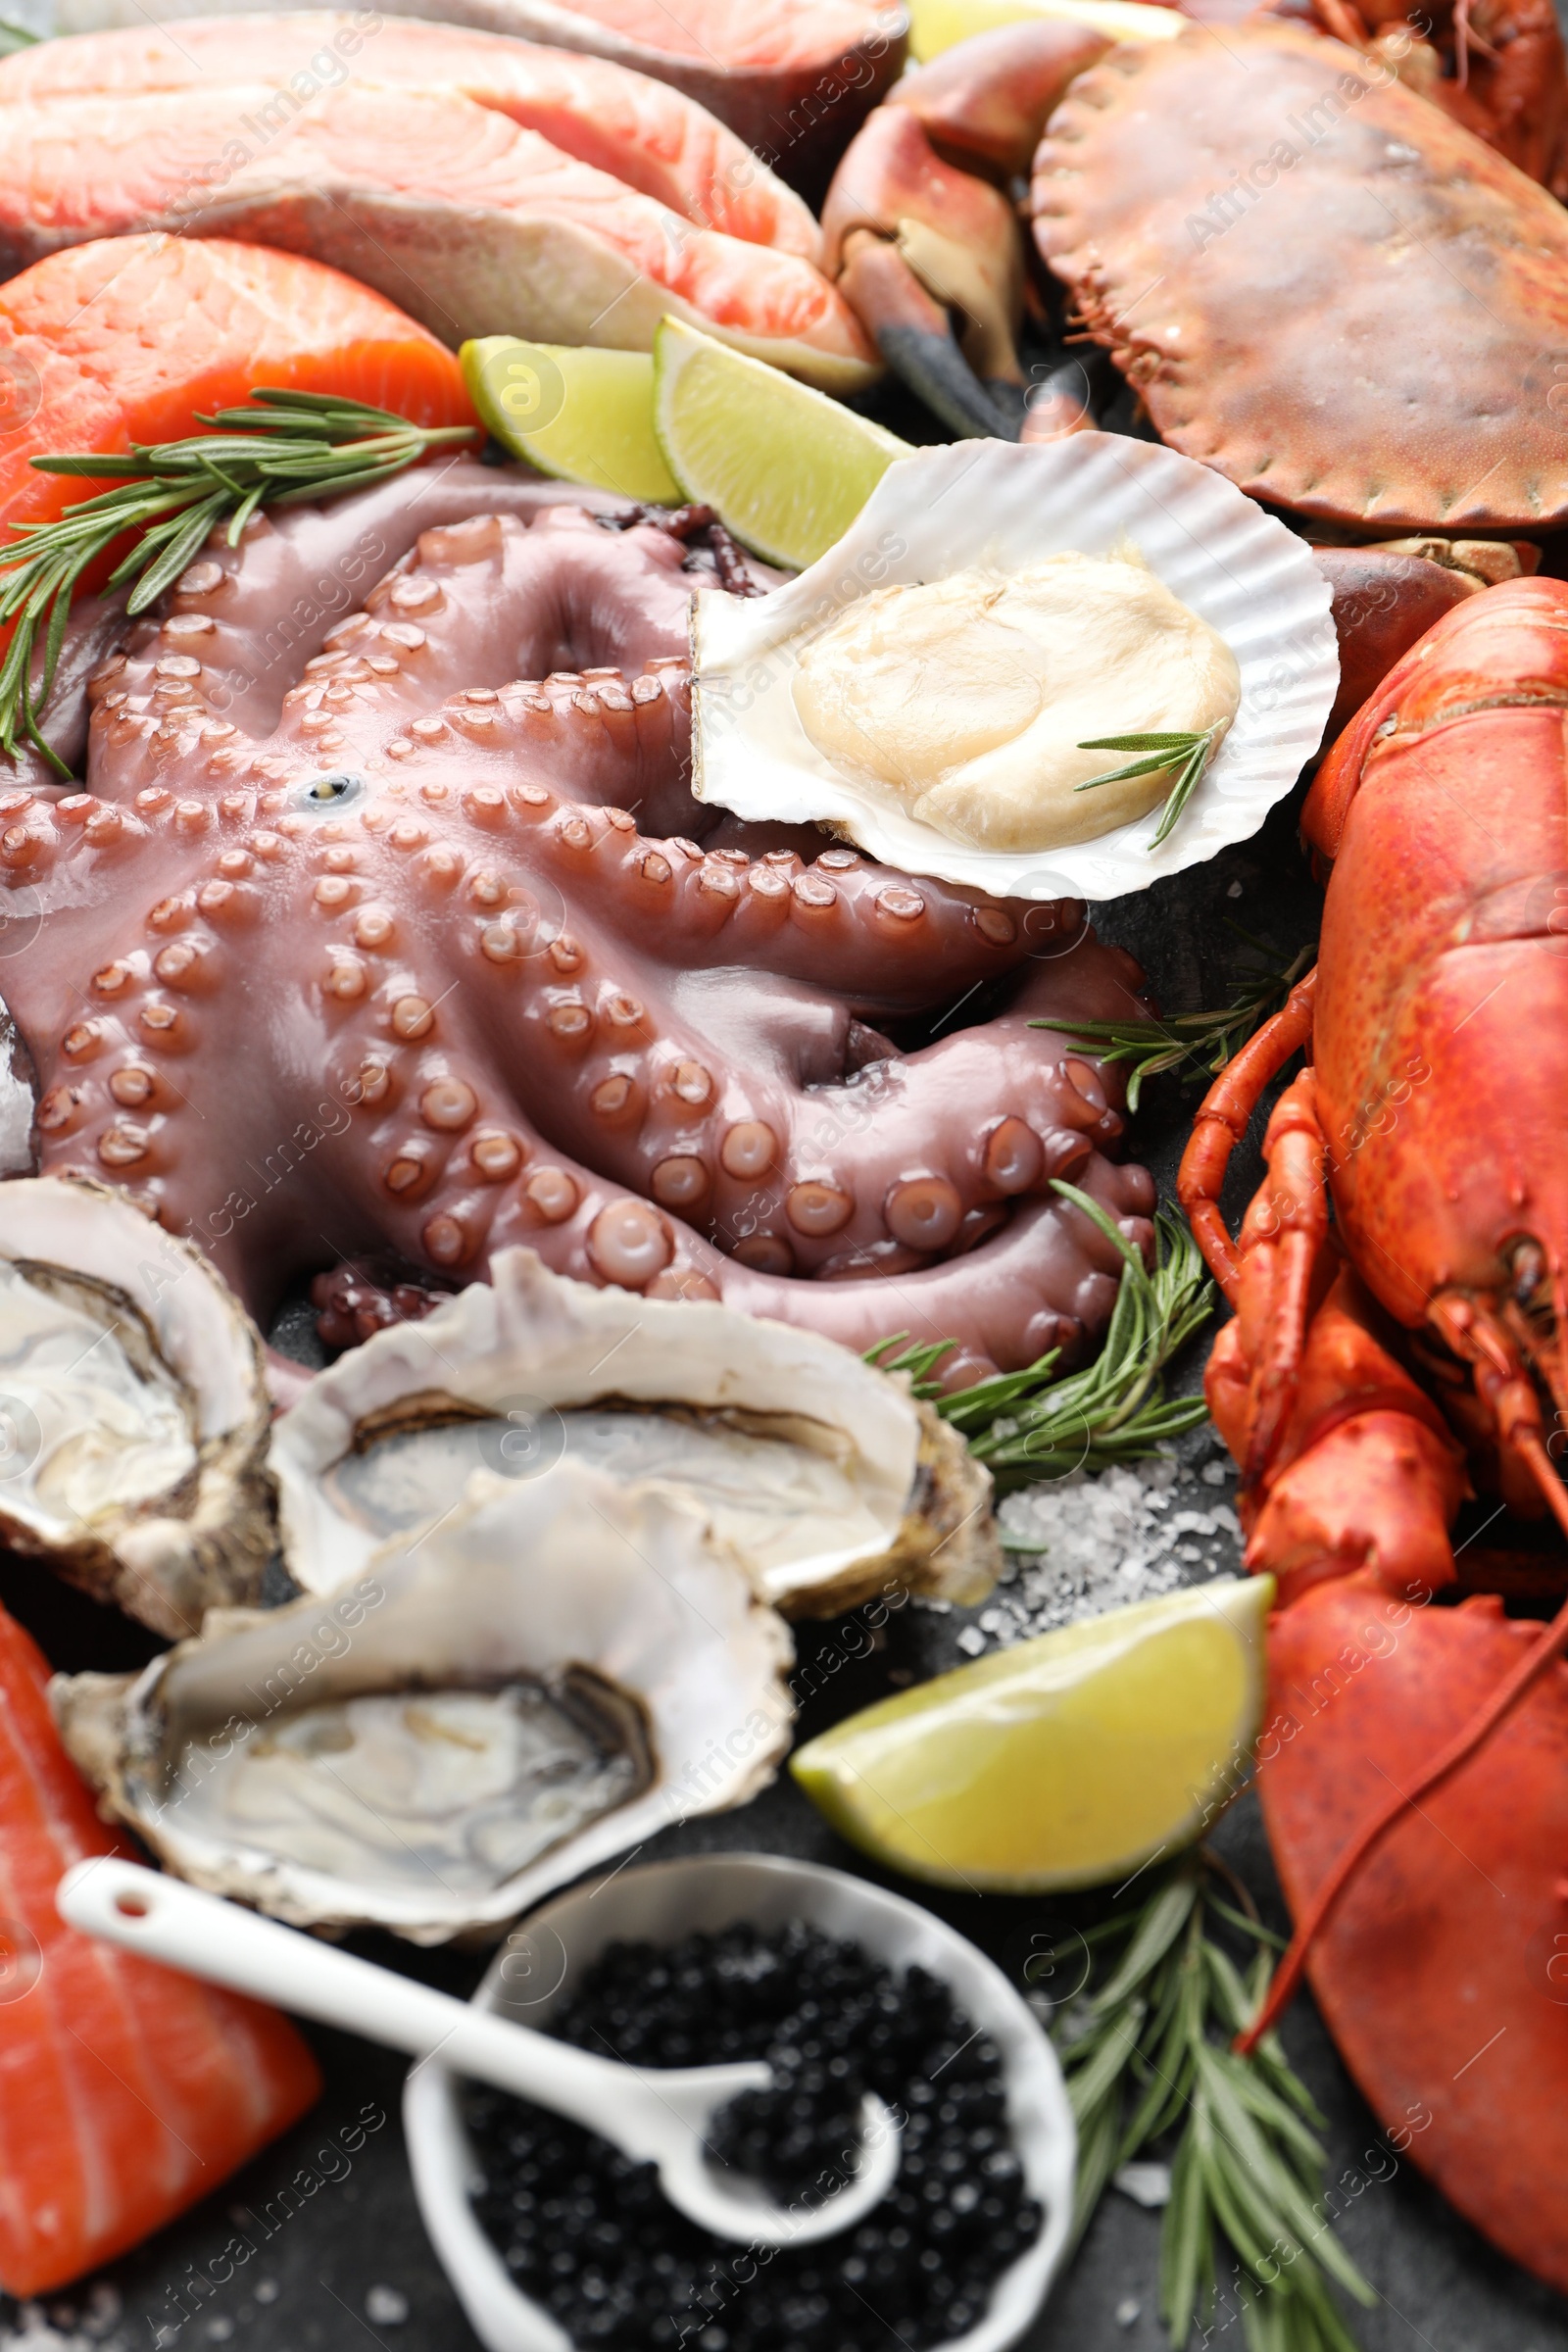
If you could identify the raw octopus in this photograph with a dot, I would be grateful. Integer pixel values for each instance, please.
(418, 944)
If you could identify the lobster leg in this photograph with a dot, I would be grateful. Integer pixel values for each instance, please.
(1222, 1121)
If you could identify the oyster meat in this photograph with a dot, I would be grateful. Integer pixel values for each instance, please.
(550, 1674)
(825, 1476)
(133, 1412)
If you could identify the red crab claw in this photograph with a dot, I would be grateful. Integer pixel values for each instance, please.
(985, 102)
(926, 250)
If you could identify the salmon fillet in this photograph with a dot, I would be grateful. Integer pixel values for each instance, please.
(793, 78)
(471, 223)
(127, 2092)
(639, 130)
(127, 339)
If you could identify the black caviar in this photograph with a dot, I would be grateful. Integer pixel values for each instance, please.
(589, 2234)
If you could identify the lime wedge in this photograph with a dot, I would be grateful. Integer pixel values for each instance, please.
(938, 25)
(1074, 1758)
(786, 468)
(582, 415)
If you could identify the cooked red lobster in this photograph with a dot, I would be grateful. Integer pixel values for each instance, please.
(1414, 1757)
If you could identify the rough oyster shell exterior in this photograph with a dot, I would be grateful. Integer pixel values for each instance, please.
(233, 1755)
(828, 1478)
(170, 1550)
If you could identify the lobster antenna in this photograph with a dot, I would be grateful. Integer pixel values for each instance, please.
(1526, 1441)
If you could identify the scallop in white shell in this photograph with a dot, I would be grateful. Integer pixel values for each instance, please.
(992, 507)
(825, 1476)
(545, 1678)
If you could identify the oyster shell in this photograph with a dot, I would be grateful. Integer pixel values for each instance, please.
(133, 1410)
(554, 1672)
(827, 1477)
(1000, 508)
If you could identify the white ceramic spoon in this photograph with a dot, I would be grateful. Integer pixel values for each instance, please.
(656, 2115)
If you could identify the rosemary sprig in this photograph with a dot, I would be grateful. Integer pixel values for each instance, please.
(1189, 753)
(1031, 1425)
(1207, 1040)
(16, 36)
(1146, 2055)
(171, 495)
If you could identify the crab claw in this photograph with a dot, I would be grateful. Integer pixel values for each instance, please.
(925, 248)
(1060, 405)
(958, 242)
(985, 102)
(915, 339)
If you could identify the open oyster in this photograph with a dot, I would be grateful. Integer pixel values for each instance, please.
(548, 1676)
(827, 1477)
(133, 1414)
(942, 684)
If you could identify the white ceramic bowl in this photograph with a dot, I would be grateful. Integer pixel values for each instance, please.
(661, 1902)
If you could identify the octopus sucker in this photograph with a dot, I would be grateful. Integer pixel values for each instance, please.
(449, 958)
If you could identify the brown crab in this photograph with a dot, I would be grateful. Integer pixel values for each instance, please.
(1316, 280)
(1313, 280)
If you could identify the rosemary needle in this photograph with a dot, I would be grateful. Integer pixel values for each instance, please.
(1189, 753)
(1207, 1040)
(170, 496)
(1036, 1424)
(1145, 2054)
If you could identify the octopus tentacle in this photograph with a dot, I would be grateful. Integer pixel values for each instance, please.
(417, 973)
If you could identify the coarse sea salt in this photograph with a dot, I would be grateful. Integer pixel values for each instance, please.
(1090, 1544)
(29, 2328)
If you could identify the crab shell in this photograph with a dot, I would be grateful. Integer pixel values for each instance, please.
(826, 1478)
(164, 1554)
(1319, 283)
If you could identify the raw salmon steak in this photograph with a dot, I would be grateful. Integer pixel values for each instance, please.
(127, 2092)
(127, 340)
(470, 223)
(794, 79)
(639, 130)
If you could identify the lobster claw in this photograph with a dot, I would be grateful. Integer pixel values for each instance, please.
(926, 249)
(1442, 1971)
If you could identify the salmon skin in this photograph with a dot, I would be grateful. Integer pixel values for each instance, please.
(129, 339)
(473, 225)
(127, 2092)
(640, 131)
(794, 79)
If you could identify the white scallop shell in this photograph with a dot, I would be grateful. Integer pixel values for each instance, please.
(989, 501)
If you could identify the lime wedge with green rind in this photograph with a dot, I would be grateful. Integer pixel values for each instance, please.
(574, 412)
(786, 470)
(939, 24)
(1075, 1758)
